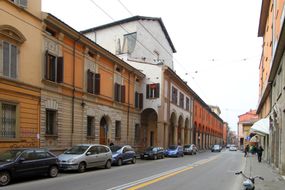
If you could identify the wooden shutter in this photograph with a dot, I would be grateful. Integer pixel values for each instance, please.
(59, 69)
(147, 91)
(156, 95)
(46, 64)
(97, 83)
(90, 81)
(136, 100)
(123, 94)
(140, 100)
(116, 94)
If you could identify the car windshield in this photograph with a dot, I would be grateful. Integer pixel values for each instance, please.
(172, 147)
(10, 155)
(216, 146)
(115, 148)
(77, 150)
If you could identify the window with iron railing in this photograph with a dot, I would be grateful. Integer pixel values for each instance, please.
(8, 120)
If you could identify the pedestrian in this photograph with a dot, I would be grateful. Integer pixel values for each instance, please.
(246, 150)
(259, 153)
(111, 144)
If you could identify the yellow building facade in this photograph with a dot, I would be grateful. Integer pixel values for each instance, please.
(20, 35)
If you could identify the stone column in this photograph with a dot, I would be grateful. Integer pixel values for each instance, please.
(175, 134)
(160, 133)
(182, 136)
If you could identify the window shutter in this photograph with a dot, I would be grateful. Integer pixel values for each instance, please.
(123, 94)
(46, 65)
(89, 81)
(157, 90)
(136, 100)
(140, 100)
(97, 83)
(116, 94)
(147, 91)
(6, 59)
(1, 59)
(59, 69)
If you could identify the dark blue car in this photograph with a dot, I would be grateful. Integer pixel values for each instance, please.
(26, 162)
(123, 154)
(174, 151)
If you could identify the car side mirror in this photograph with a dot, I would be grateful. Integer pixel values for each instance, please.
(21, 159)
(88, 153)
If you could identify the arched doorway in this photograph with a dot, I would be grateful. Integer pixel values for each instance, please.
(104, 128)
(149, 127)
(194, 134)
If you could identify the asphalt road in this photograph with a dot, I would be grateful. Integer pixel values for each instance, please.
(204, 171)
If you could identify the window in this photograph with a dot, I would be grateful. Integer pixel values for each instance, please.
(152, 90)
(120, 93)
(118, 130)
(138, 100)
(53, 68)
(174, 95)
(137, 133)
(93, 82)
(21, 3)
(90, 126)
(181, 100)
(51, 126)
(8, 120)
(9, 59)
(129, 42)
(187, 104)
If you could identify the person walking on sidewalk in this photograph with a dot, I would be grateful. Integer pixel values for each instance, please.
(246, 150)
(259, 153)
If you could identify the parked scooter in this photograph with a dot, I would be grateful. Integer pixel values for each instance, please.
(248, 183)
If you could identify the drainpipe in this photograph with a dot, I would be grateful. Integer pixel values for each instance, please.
(128, 115)
(73, 89)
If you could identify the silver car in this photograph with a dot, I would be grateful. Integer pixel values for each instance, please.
(83, 156)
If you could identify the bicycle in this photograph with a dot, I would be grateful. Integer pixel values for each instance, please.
(248, 184)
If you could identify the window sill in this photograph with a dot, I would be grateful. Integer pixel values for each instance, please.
(10, 140)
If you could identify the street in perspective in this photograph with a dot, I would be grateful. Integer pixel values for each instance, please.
(153, 95)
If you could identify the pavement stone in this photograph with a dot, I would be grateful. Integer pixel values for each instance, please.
(272, 180)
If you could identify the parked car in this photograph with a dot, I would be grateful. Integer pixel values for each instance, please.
(123, 154)
(17, 163)
(153, 153)
(174, 151)
(233, 147)
(190, 149)
(82, 156)
(216, 148)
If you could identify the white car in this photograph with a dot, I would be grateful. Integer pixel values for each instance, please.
(82, 156)
(233, 148)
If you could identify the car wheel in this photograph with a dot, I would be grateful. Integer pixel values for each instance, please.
(120, 162)
(4, 178)
(155, 157)
(134, 160)
(108, 164)
(53, 171)
(81, 167)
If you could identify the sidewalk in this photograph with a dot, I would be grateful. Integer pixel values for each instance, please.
(272, 180)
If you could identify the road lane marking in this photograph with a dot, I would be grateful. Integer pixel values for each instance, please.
(159, 179)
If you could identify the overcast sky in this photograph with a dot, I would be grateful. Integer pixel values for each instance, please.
(218, 51)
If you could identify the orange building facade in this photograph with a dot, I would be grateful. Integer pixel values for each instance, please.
(88, 94)
(207, 125)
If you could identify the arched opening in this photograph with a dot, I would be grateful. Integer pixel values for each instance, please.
(180, 139)
(171, 129)
(149, 127)
(186, 132)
